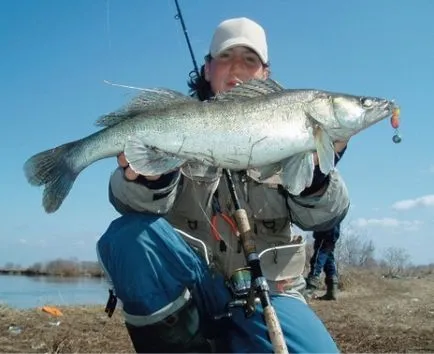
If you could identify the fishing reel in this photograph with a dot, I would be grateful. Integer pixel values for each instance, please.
(245, 294)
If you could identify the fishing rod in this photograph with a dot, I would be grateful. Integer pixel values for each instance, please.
(259, 286)
(258, 283)
(179, 17)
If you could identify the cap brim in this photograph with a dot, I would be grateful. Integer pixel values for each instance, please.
(239, 42)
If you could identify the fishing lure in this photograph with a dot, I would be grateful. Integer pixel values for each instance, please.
(394, 121)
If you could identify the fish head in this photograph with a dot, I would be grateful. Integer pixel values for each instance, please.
(342, 116)
(360, 112)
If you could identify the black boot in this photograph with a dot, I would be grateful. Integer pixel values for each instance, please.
(331, 290)
(177, 333)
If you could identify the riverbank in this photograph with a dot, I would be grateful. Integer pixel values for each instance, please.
(372, 314)
(58, 267)
(38, 273)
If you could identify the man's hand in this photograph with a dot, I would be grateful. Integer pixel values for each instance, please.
(129, 173)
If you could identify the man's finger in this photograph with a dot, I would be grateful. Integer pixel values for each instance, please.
(315, 158)
(130, 174)
(340, 145)
(122, 161)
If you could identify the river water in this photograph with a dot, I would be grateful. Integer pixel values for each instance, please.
(27, 292)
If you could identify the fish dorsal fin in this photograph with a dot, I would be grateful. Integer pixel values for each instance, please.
(146, 102)
(250, 89)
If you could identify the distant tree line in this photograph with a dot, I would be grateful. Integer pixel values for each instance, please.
(355, 250)
(58, 267)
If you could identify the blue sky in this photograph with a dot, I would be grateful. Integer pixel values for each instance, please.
(57, 54)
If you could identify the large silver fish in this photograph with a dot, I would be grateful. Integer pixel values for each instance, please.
(257, 125)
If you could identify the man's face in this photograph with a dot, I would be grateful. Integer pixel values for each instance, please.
(234, 66)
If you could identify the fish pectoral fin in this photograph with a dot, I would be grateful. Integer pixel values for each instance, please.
(201, 172)
(297, 172)
(149, 161)
(262, 173)
(325, 150)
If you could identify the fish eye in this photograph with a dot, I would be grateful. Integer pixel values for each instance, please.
(366, 102)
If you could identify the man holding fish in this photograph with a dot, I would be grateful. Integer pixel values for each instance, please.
(174, 257)
(238, 53)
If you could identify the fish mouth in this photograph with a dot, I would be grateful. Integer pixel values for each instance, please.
(389, 106)
(383, 109)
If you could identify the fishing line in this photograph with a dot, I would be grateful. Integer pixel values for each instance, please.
(208, 219)
(108, 24)
(178, 16)
(125, 86)
(109, 47)
(195, 70)
(188, 166)
(108, 36)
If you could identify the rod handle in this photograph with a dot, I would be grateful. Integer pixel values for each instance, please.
(246, 234)
(275, 331)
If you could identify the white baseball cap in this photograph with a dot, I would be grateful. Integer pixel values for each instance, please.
(240, 32)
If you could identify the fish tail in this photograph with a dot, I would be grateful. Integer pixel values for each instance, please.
(54, 169)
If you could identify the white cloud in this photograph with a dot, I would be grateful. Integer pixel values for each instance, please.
(23, 241)
(388, 223)
(425, 201)
(431, 169)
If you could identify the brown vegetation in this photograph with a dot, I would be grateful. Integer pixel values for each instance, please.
(378, 314)
(58, 267)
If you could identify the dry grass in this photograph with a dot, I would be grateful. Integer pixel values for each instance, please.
(381, 315)
(371, 315)
(81, 330)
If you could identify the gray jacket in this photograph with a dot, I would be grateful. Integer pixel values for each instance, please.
(186, 202)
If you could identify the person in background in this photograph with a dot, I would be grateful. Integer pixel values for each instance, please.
(323, 259)
(171, 253)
